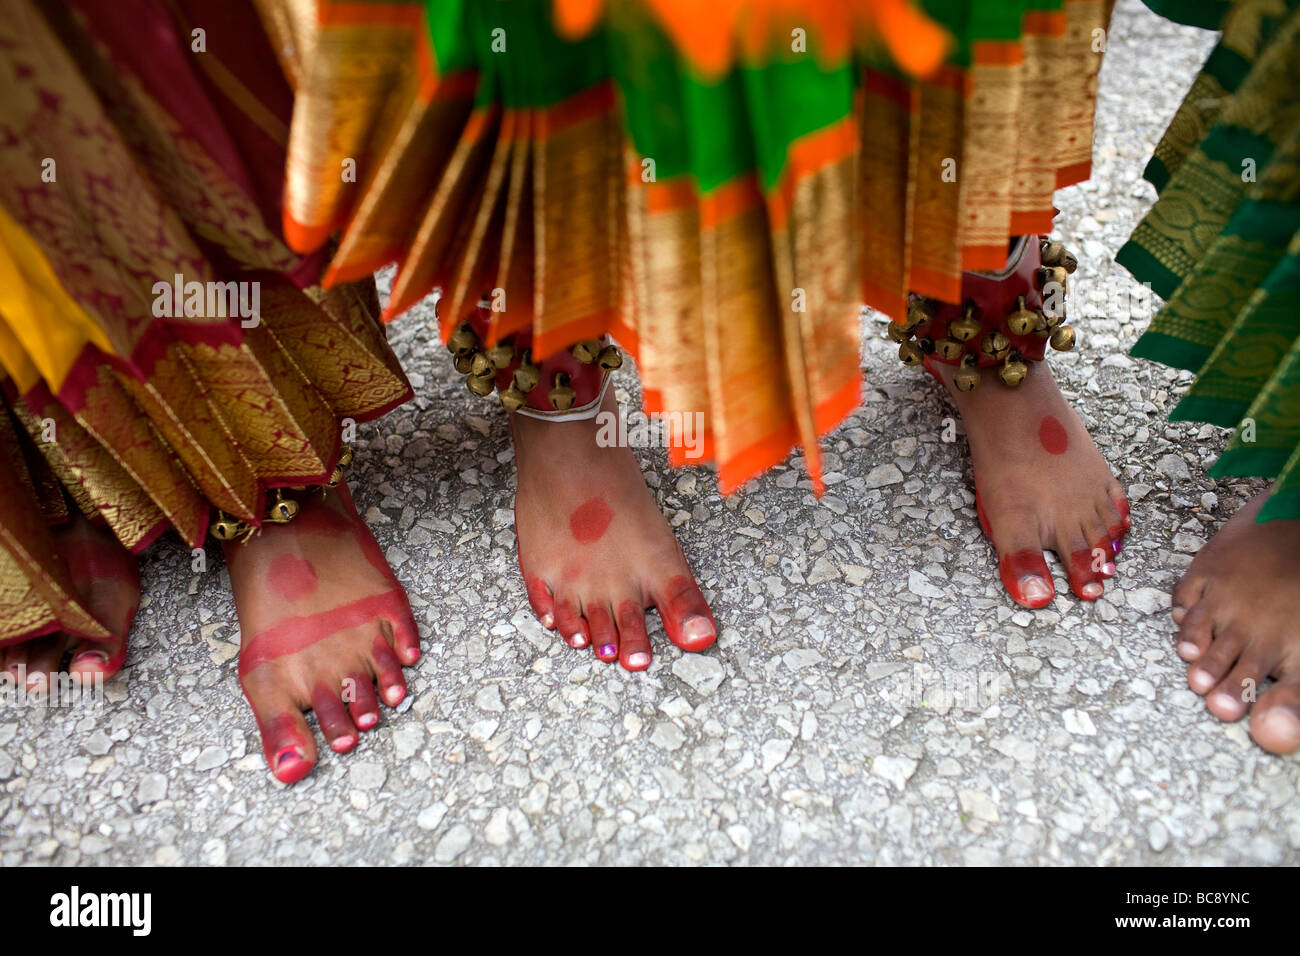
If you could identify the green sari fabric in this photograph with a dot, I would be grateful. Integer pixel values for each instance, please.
(1222, 243)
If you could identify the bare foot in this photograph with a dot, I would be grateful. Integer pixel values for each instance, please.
(595, 549)
(107, 577)
(1235, 608)
(1040, 484)
(322, 620)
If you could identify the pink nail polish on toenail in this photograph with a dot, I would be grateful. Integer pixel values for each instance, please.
(638, 660)
(1035, 589)
(698, 629)
(548, 621)
(343, 744)
(287, 756)
(92, 657)
(609, 650)
(1117, 546)
(1092, 590)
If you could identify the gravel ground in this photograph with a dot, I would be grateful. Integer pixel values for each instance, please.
(858, 707)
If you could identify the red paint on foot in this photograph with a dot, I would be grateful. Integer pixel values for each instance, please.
(983, 517)
(292, 577)
(285, 753)
(296, 633)
(1052, 436)
(590, 521)
(1015, 567)
(1081, 574)
(687, 619)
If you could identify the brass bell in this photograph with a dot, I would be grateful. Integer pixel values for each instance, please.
(948, 349)
(346, 456)
(898, 333)
(1055, 254)
(481, 385)
(910, 353)
(561, 395)
(283, 510)
(463, 340)
(226, 528)
(995, 344)
(501, 354)
(1063, 338)
(917, 314)
(967, 377)
(1013, 371)
(1050, 321)
(967, 327)
(464, 362)
(481, 365)
(586, 351)
(609, 358)
(527, 377)
(512, 398)
(335, 478)
(1049, 274)
(1022, 321)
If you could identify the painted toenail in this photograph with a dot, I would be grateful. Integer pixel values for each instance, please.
(639, 659)
(697, 629)
(394, 696)
(366, 721)
(1117, 546)
(1281, 724)
(548, 621)
(1187, 650)
(344, 743)
(1108, 569)
(1035, 589)
(1092, 590)
(92, 657)
(579, 640)
(608, 650)
(288, 755)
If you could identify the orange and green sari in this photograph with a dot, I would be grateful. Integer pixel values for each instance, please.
(136, 157)
(720, 187)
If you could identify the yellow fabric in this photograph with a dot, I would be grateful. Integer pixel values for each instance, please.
(44, 330)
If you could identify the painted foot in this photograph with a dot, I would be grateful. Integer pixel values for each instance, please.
(323, 620)
(1040, 484)
(595, 549)
(107, 577)
(1235, 609)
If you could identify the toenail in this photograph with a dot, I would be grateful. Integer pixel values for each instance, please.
(92, 657)
(697, 629)
(1035, 588)
(1108, 569)
(1281, 723)
(344, 743)
(1200, 681)
(548, 620)
(366, 721)
(1224, 701)
(1092, 590)
(609, 650)
(579, 640)
(288, 755)
(1178, 613)
(1186, 650)
(394, 696)
(1117, 546)
(638, 660)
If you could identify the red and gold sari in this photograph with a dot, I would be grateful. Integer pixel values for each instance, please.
(141, 147)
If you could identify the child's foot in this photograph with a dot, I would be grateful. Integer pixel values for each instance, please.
(107, 577)
(1040, 484)
(322, 620)
(1235, 609)
(595, 549)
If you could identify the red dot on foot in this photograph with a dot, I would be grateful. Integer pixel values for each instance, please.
(292, 577)
(1052, 436)
(590, 520)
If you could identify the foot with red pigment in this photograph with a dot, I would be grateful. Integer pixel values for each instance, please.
(323, 621)
(1040, 484)
(107, 578)
(595, 549)
(1235, 611)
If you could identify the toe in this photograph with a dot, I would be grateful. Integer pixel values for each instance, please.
(1021, 564)
(1195, 632)
(402, 636)
(92, 658)
(1234, 694)
(44, 655)
(333, 718)
(687, 619)
(1214, 664)
(388, 672)
(359, 693)
(16, 660)
(1083, 568)
(571, 624)
(1187, 592)
(633, 642)
(604, 635)
(287, 741)
(540, 597)
(1275, 718)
